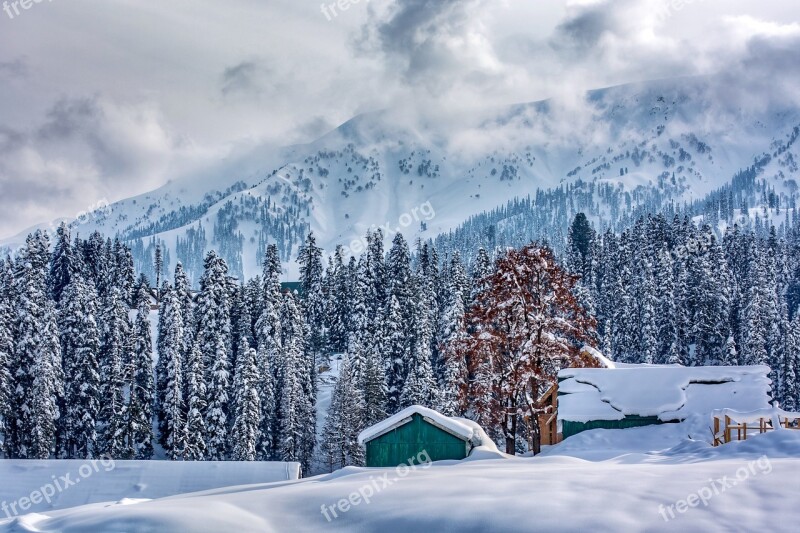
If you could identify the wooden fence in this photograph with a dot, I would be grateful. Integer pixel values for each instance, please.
(730, 425)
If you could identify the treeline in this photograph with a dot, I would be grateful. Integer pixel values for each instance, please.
(671, 291)
(237, 365)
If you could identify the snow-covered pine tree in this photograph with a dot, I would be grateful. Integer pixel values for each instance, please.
(344, 422)
(337, 306)
(359, 339)
(481, 270)
(313, 302)
(195, 434)
(265, 384)
(64, 263)
(401, 281)
(247, 406)
(755, 328)
(36, 366)
(6, 347)
(218, 403)
(427, 308)
(97, 263)
(47, 388)
(648, 350)
(790, 393)
(373, 387)
(169, 377)
(241, 322)
(579, 239)
(294, 401)
(80, 346)
(420, 387)
(393, 348)
(377, 286)
(183, 292)
(709, 297)
(142, 391)
(269, 336)
(158, 266)
(124, 274)
(213, 312)
(452, 336)
(115, 361)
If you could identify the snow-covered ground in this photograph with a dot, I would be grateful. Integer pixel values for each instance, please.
(602, 480)
(63, 484)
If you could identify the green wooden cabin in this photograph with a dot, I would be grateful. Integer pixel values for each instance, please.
(633, 396)
(416, 433)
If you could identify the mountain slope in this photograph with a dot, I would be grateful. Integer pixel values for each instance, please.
(424, 174)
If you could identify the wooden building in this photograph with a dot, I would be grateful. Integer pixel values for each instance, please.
(414, 432)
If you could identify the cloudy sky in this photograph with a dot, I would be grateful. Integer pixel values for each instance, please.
(103, 99)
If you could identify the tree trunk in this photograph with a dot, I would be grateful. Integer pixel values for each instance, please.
(536, 435)
(511, 428)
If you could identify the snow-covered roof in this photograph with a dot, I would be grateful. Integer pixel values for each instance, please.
(451, 425)
(670, 392)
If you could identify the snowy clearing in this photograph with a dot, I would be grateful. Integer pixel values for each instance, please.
(689, 487)
(71, 483)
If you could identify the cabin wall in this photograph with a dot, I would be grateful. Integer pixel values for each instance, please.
(570, 428)
(418, 438)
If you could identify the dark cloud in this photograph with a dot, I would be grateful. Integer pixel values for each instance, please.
(70, 117)
(583, 31)
(315, 128)
(11, 140)
(436, 43)
(248, 79)
(14, 69)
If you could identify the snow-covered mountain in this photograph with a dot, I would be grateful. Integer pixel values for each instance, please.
(426, 172)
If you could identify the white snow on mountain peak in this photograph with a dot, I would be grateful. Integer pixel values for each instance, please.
(683, 137)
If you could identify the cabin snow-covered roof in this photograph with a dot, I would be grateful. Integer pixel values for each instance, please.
(451, 425)
(670, 392)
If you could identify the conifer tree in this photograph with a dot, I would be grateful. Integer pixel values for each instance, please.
(6, 347)
(213, 312)
(36, 366)
(296, 420)
(218, 404)
(373, 386)
(247, 406)
(170, 375)
(265, 383)
(115, 360)
(64, 263)
(313, 303)
(345, 420)
(394, 350)
(453, 335)
(80, 346)
(142, 391)
(195, 445)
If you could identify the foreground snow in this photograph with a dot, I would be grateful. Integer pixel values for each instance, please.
(689, 487)
(64, 484)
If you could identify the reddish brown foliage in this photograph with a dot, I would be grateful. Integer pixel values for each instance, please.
(525, 327)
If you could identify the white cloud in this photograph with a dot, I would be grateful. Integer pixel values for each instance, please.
(114, 97)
